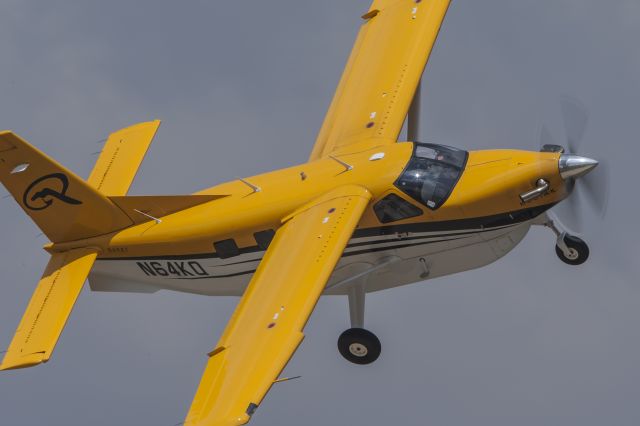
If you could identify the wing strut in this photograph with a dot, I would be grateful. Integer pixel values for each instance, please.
(413, 118)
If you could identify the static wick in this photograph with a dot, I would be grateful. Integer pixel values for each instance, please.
(148, 215)
(286, 379)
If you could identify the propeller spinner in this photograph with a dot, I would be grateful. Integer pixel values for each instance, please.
(592, 190)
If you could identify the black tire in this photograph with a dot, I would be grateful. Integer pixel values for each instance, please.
(359, 346)
(578, 248)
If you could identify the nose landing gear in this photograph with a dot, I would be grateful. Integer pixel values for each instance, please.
(569, 248)
(572, 250)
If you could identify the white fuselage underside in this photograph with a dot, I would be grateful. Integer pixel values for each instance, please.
(377, 262)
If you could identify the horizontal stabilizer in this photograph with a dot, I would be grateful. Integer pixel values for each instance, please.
(121, 157)
(49, 308)
(145, 207)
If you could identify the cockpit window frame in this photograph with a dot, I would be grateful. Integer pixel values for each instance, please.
(410, 163)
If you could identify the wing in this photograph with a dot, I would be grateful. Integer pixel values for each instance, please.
(381, 75)
(266, 327)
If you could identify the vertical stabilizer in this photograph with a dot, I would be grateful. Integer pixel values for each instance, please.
(64, 206)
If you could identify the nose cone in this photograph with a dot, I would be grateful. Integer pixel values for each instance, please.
(574, 166)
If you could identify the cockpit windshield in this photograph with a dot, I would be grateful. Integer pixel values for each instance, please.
(432, 173)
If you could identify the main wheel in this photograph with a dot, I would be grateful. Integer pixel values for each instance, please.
(578, 251)
(359, 346)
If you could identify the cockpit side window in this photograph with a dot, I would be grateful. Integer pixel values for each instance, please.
(432, 173)
(393, 208)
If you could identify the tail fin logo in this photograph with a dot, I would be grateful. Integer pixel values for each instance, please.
(41, 193)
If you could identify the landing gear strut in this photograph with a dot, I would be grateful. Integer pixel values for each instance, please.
(356, 344)
(569, 248)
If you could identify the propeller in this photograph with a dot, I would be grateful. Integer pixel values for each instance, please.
(590, 191)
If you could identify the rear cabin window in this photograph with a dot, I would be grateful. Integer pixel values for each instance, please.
(263, 238)
(393, 208)
(226, 248)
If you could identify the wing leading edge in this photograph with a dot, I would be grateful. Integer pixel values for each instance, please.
(381, 76)
(266, 327)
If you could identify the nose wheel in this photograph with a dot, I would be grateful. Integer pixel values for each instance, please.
(359, 346)
(569, 248)
(572, 250)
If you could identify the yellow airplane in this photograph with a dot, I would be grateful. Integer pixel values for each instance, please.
(365, 213)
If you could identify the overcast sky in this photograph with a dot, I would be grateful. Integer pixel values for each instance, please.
(242, 88)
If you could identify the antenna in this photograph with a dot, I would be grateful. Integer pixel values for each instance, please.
(348, 167)
(148, 215)
(286, 379)
(250, 185)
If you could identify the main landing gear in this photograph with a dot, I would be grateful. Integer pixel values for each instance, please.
(359, 346)
(356, 344)
(569, 248)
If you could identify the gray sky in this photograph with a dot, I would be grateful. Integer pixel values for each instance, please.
(242, 88)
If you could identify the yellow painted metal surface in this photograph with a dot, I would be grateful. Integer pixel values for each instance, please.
(242, 212)
(494, 179)
(266, 327)
(49, 308)
(120, 158)
(381, 75)
(490, 185)
(63, 206)
(143, 208)
(313, 208)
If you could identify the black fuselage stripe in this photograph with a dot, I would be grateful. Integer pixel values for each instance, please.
(426, 238)
(212, 276)
(463, 226)
(345, 254)
(480, 223)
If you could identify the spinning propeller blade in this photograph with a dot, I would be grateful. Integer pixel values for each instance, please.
(590, 189)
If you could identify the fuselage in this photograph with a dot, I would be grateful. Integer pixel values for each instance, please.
(214, 248)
